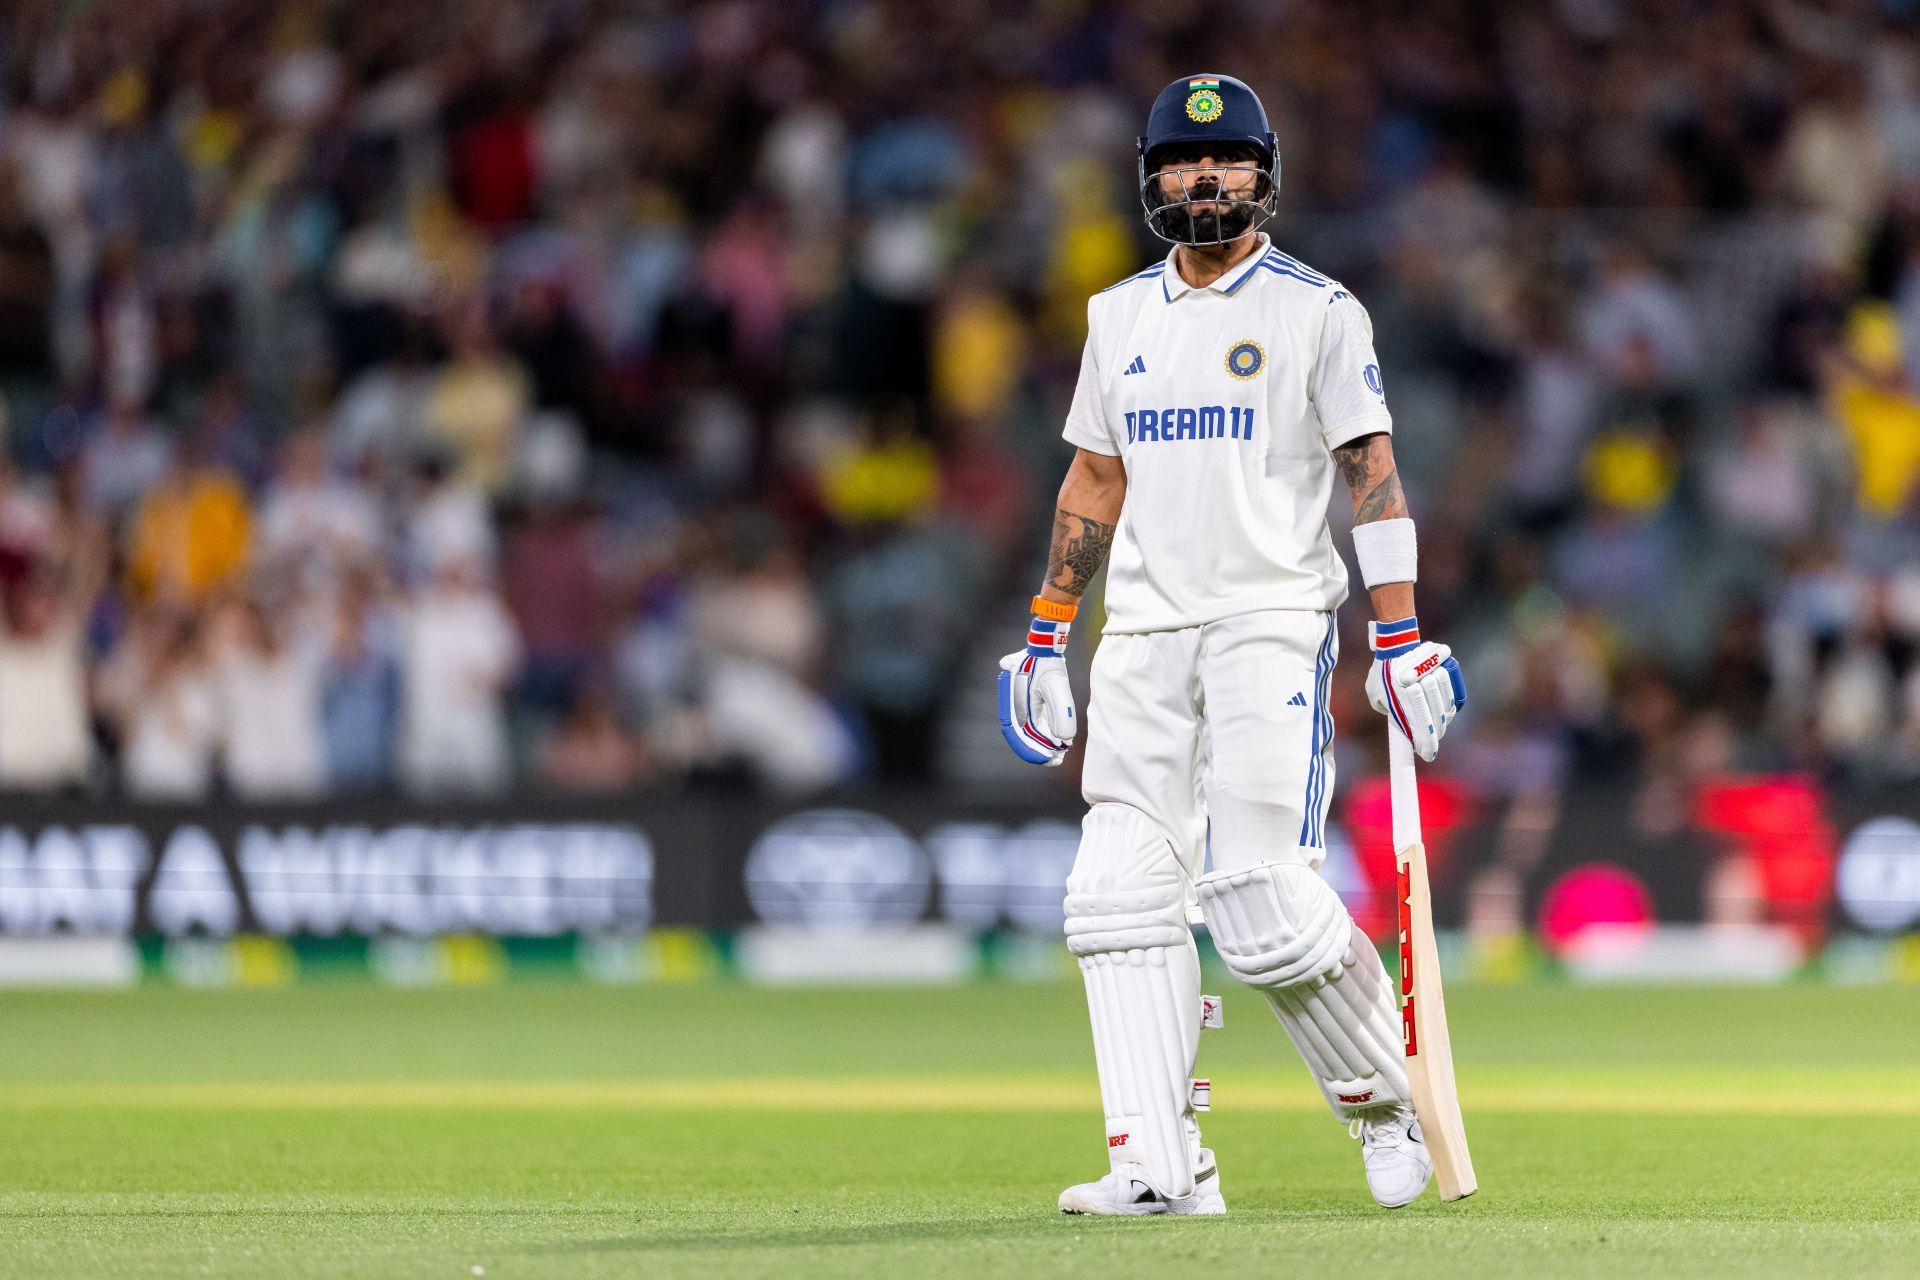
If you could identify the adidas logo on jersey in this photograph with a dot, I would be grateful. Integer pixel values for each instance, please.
(1297, 700)
(1139, 365)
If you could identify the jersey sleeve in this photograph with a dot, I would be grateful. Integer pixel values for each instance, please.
(1087, 418)
(1345, 385)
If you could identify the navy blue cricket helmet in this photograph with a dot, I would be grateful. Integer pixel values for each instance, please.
(1220, 113)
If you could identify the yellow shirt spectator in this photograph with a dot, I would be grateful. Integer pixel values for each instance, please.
(1093, 247)
(1628, 468)
(979, 354)
(190, 535)
(1869, 396)
(892, 480)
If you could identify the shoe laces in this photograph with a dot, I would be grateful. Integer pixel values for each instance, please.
(1376, 1132)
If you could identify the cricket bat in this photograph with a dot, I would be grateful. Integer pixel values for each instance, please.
(1423, 1009)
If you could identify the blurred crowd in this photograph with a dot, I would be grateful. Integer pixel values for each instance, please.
(455, 395)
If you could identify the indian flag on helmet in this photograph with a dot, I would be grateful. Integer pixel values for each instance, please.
(1204, 103)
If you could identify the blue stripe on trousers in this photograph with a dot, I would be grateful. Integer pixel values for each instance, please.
(1322, 721)
(1326, 732)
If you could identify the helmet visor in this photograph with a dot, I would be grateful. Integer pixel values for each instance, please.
(1213, 203)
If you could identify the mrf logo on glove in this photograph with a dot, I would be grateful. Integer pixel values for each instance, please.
(1036, 699)
(1414, 683)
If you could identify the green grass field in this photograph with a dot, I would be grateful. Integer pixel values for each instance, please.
(570, 1131)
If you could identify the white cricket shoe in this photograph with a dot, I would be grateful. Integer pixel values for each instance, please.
(1206, 1200)
(1131, 1191)
(1395, 1156)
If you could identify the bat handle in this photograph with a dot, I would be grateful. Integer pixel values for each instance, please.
(1405, 792)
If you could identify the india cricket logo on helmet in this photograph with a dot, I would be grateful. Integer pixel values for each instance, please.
(1220, 120)
(1203, 104)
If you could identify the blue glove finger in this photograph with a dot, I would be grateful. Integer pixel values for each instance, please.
(1452, 669)
(1022, 746)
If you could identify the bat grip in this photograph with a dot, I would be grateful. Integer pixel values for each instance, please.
(1405, 792)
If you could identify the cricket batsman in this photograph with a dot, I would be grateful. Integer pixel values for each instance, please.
(1219, 392)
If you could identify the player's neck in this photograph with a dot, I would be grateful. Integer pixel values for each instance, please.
(1201, 264)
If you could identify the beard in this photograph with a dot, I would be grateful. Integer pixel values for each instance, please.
(1228, 219)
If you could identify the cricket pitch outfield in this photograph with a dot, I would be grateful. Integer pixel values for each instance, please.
(557, 1130)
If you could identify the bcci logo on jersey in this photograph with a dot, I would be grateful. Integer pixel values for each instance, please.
(1245, 359)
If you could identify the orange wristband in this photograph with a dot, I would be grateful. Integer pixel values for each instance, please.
(1054, 610)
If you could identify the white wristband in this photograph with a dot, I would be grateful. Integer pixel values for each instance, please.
(1386, 552)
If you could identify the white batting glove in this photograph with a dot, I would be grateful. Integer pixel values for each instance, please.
(1415, 684)
(1036, 700)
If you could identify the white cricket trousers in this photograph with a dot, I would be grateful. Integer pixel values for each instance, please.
(1222, 734)
(1216, 742)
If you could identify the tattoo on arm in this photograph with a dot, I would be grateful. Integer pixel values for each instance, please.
(1385, 502)
(1372, 479)
(1079, 547)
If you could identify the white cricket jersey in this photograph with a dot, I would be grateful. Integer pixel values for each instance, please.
(1223, 403)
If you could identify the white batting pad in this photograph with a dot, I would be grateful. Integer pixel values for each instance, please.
(1126, 922)
(1281, 928)
(1144, 1040)
(1126, 889)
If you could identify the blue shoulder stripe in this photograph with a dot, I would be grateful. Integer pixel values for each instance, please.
(1279, 270)
(1305, 277)
(1297, 265)
(1148, 274)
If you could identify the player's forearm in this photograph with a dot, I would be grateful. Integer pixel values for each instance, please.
(1084, 519)
(1373, 482)
(1392, 600)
